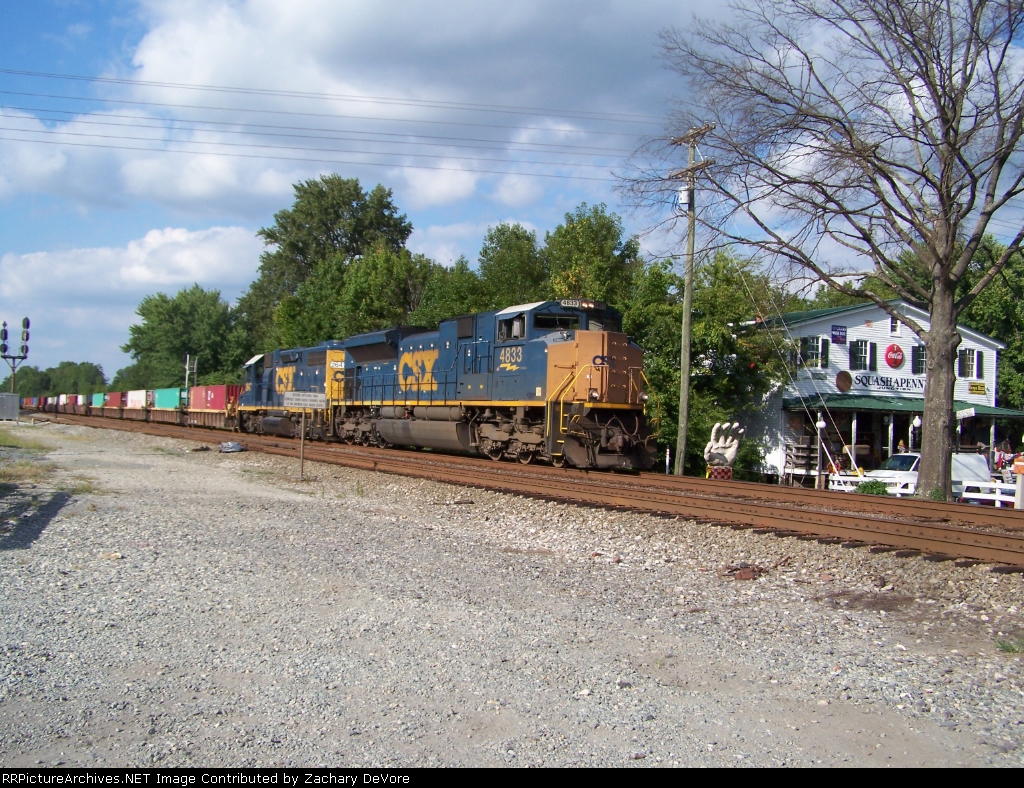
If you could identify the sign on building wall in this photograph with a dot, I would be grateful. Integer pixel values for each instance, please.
(977, 387)
(894, 356)
(838, 335)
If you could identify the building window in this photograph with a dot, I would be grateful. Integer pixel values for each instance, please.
(918, 359)
(859, 355)
(814, 352)
(965, 363)
(894, 326)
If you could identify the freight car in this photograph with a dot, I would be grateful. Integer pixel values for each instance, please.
(553, 381)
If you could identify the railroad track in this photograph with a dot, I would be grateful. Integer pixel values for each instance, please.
(938, 530)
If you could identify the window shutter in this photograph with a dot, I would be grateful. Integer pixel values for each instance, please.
(961, 371)
(980, 356)
(803, 350)
(873, 357)
(824, 356)
(915, 359)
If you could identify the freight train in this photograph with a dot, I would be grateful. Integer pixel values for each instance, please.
(553, 381)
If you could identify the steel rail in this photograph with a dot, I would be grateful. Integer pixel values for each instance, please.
(633, 492)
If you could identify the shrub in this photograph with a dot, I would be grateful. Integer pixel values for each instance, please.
(873, 487)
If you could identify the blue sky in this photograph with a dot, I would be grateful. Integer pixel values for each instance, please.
(186, 128)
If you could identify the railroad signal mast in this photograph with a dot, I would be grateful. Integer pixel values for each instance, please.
(688, 191)
(13, 360)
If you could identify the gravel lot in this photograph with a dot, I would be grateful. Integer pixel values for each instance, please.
(208, 609)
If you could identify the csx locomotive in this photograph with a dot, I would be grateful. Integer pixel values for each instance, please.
(552, 381)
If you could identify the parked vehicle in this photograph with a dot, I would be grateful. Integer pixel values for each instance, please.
(899, 473)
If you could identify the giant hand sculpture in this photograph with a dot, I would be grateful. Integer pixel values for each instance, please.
(725, 442)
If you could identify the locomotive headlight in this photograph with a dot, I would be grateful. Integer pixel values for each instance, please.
(594, 394)
(644, 396)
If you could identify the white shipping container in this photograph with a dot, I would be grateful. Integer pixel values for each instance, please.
(62, 399)
(81, 399)
(136, 399)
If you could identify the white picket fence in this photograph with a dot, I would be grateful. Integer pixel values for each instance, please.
(986, 492)
(999, 494)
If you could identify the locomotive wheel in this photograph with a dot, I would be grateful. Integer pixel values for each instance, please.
(526, 457)
(559, 461)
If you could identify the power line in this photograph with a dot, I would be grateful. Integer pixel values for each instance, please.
(176, 125)
(297, 148)
(315, 161)
(320, 114)
(613, 117)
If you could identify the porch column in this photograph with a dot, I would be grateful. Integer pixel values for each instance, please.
(992, 443)
(853, 441)
(892, 432)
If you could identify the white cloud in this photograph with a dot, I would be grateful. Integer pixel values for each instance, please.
(81, 301)
(515, 191)
(580, 58)
(445, 243)
(426, 188)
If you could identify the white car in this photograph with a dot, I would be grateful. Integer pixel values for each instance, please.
(899, 473)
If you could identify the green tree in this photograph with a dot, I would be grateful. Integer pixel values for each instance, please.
(68, 377)
(382, 289)
(332, 218)
(998, 311)
(29, 382)
(512, 269)
(588, 257)
(449, 292)
(195, 322)
(734, 364)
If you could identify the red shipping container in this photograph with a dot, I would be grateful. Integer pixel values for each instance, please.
(115, 399)
(197, 398)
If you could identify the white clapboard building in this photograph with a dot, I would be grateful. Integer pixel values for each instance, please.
(863, 373)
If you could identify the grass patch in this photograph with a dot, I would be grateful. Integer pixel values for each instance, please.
(25, 471)
(1011, 645)
(258, 472)
(359, 489)
(80, 485)
(9, 441)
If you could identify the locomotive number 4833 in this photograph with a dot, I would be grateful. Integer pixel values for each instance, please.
(511, 355)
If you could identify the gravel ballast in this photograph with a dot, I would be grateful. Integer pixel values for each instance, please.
(207, 609)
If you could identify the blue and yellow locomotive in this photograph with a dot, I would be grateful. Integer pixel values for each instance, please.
(554, 381)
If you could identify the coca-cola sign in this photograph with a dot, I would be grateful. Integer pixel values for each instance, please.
(894, 356)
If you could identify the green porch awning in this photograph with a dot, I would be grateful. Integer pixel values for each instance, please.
(866, 402)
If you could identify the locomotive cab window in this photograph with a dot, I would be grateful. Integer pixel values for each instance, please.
(512, 328)
(548, 322)
(598, 323)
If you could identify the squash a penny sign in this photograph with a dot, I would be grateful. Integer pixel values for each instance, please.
(894, 356)
(844, 381)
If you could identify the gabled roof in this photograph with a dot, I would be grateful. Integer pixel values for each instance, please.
(790, 320)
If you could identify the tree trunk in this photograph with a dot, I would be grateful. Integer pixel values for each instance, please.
(934, 478)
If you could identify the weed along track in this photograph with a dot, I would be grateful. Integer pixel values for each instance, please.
(936, 530)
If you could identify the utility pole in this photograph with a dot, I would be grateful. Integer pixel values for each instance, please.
(689, 175)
